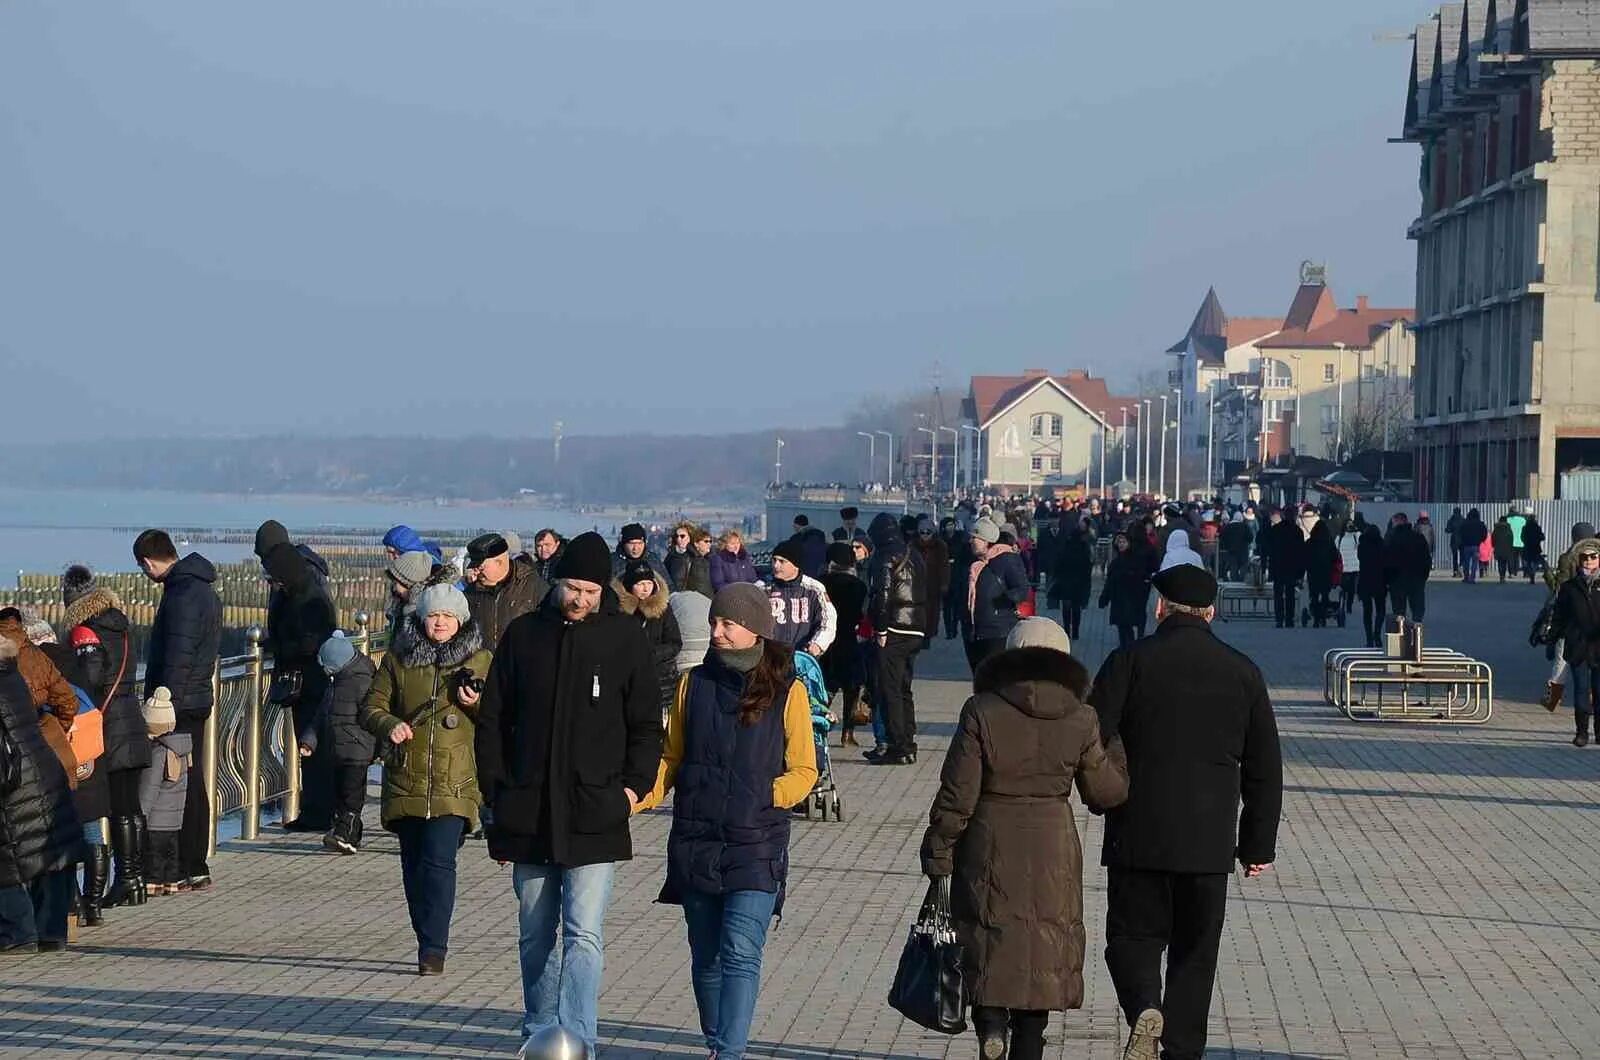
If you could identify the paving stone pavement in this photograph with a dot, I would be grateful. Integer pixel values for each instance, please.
(1432, 899)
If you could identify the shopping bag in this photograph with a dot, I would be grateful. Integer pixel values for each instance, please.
(929, 985)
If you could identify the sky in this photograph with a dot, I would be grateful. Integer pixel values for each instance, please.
(455, 217)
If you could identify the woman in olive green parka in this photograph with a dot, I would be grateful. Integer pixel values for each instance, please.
(423, 708)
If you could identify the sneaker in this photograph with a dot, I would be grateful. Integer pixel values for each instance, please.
(1144, 1040)
(875, 754)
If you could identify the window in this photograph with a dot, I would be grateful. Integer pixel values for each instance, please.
(1366, 373)
(1330, 419)
(1275, 375)
(1046, 425)
(1038, 464)
(1327, 373)
(1053, 464)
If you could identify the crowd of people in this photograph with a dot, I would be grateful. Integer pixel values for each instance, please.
(538, 700)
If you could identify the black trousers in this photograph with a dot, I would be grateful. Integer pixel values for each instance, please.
(1372, 613)
(1026, 1027)
(979, 650)
(1180, 914)
(124, 785)
(350, 783)
(1284, 592)
(955, 615)
(193, 839)
(1408, 596)
(896, 658)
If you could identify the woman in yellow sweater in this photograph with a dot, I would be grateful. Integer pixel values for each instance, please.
(739, 754)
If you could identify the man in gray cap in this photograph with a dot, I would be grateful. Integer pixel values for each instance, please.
(504, 586)
(1200, 737)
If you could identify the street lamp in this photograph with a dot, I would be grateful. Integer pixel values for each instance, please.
(777, 465)
(955, 454)
(1211, 418)
(933, 471)
(872, 452)
(1144, 447)
(889, 435)
(1338, 435)
(1124, 447)
(1177, 455)
(972, 464)
(1294, 437)
(1163, 489)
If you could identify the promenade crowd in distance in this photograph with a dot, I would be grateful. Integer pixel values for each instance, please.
(534, 700)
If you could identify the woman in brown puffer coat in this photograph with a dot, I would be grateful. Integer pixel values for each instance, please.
(1002, 826)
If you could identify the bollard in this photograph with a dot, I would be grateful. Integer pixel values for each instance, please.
(250, 827)
(363, 637)
(208, 759)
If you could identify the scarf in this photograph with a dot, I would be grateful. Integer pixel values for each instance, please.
(977, 569)
(741, 660)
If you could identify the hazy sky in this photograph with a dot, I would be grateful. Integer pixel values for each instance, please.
(448, 217)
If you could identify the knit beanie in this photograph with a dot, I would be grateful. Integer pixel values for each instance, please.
(840, 554)
(513, 541)
(635, 572)
(77, 581)
(443, 598)
(985, 529)
(587, 559)
(335, 653)
(632, 532)
(746, 605)
(792, 551)
(410, 569)
(160, 717)
(1039, 632)
(269, 535)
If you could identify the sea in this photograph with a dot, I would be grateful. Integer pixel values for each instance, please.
(45, 530)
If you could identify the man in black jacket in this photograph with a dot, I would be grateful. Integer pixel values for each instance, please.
(1407, 561)
(568, 739)
(897, 603)
(1197, 727)
(1285, 554)
(182, 655)
(501, 588)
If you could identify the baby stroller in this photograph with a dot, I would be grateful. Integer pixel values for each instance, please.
(824, 801)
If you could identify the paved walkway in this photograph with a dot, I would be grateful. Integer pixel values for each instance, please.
(1434, 897)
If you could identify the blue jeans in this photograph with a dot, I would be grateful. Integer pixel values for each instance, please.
(562, 986)
(37, 911)
(727, 933)
(1585, 695)
(1470, 564)
(428, 865)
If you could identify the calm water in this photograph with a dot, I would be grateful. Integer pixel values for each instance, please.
(44, 530)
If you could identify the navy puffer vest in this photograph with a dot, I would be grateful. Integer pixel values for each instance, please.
(726, 834)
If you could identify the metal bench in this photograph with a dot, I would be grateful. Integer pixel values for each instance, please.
(1442, 685)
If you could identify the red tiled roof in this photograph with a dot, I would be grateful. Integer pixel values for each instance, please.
(1352, 327)
(992, 393)
(1313, 306)
(1248, 329)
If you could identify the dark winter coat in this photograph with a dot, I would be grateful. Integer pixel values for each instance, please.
(339, 718)
(433, 774)
(728, 567)
(814, 551)
(1370, 582)
(185, 639)
(897, 581)
(660, 627)
(1452, 527)
(677, 564)
(1576, 620)
(841, 663)
(103, 643)
(620, 561)
(92, 795)
(1474, 531)
(936, 561)
(39, 829)
(571, 716)
(697, 578)
(1200, 737)
(1285, 551)
(1003, 583)
(1127, 587)
(1073, 571)
(1003, 827)
(1533, 541)
(300, 616)
(519, 593)
(1321, 555)
(1235, 540)
(1501, 542)
(1405, 555)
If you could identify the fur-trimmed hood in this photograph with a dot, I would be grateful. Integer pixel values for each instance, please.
(415, 649)
(651, 609)
(96, 601)
(1040, 682)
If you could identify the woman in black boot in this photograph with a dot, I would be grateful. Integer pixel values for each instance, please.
(100, 638)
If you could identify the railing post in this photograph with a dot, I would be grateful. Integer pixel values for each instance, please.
(209, 758)
(291, 767)
(363, 637)
(250, 827)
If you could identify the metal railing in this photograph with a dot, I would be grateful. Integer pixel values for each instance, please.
(249, 753)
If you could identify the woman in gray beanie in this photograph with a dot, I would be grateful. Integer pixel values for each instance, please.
(739, 754)
(423, 707)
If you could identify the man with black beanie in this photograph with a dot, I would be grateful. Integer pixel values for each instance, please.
(634, 544)
(1196, 724)
(897, 602)
(568, 739)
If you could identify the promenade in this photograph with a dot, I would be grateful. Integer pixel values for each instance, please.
(1435, 896)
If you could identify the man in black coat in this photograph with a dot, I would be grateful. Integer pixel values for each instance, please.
(501, 588)
(1407, 561)
(568, 740)
(182, 655)
(1285, 554)
(897, 603)
(1197, 727)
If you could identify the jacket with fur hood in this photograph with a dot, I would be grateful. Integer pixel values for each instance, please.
(1003, 828)
(103, 643)
(433, 774)
(660, 627)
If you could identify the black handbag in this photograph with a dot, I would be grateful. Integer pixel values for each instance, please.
(929, 985)
(1543, 631)
(10, 763)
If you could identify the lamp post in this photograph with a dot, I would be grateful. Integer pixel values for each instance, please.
(1177, 452)
(1211, 419)
(1124, 446)
(1294, 437)
(972, 464)
(955, 454)
(1144, 448)
(1163, 489)
(933, 468)
(777, 465)
(889, 435)
(872, 452)
(1338, 431)
(1103, 428)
